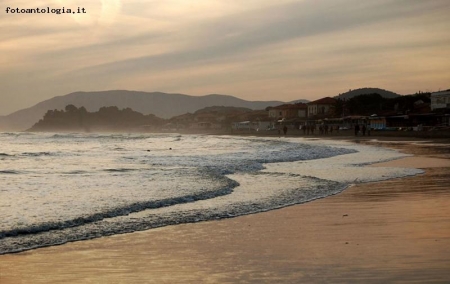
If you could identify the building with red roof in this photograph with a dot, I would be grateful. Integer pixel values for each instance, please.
(298, 110)
(321, 107)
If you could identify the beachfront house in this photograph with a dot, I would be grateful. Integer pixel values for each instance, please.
(290, 115)
(288, 111)
(440, 104)
(206, 125)
(349, 122)
(377, 122)
(440, 100)
(257, 125)
(321, 107)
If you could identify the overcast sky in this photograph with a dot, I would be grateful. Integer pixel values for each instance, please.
(251, 49)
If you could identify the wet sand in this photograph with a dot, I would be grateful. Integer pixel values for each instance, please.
(391, 231)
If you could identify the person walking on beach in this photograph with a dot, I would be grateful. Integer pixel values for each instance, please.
(285, 130)
(356, 129)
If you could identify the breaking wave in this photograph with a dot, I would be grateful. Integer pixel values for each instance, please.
(93, 185)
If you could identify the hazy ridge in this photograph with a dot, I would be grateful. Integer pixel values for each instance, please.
(163, 105)
(367, 91)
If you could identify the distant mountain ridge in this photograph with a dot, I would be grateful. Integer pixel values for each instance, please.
(366, 91)
(163, 105)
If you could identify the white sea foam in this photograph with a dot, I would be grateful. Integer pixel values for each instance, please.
(350, 168)
(56, 188)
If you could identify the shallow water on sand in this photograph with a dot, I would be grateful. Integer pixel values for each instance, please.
(56, 188)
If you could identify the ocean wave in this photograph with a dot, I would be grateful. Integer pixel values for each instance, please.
(124, 191)
(10, 172)
(177, 138)
(16, 134)
(227, 188)
(37, 154)
(68, 136)
(250, 161)
(117, 136)
(121, 170)
(76, 172)
(15, 241)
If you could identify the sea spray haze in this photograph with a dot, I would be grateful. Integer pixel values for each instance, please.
(56, 188)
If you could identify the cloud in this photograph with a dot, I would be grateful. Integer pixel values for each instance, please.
(110, 10)
(230, 36)
(251, 48)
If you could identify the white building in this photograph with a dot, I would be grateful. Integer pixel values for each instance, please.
(252, 125)
(298, 110)
(440, 100)
(321, 107)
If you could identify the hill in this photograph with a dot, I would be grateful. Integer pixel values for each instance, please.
(75, 119)
(367, 91)
(299, 101)
(223, 110)
(160, 104)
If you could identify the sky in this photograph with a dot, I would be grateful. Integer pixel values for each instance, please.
(252, 49)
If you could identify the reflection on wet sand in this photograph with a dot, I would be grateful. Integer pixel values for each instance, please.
(395, 230)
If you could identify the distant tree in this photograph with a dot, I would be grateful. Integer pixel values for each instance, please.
(339, 107)
(71, 108)
(82, 110)
(49, 114)
(406, 104)
(366, 104)
(107, 118)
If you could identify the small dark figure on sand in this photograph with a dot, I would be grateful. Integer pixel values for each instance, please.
(356, 129)
(285, 130)
(363, 130)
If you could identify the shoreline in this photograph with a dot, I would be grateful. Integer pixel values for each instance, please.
(281, 245)
(342, 134)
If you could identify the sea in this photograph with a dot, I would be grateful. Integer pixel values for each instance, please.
(62, 187)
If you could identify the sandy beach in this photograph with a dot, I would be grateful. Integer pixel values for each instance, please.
(391, 231)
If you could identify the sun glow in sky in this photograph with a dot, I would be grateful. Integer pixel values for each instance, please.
(252, 49)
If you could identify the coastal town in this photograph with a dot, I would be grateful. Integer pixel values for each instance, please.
(364, 114)
(420, 112)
